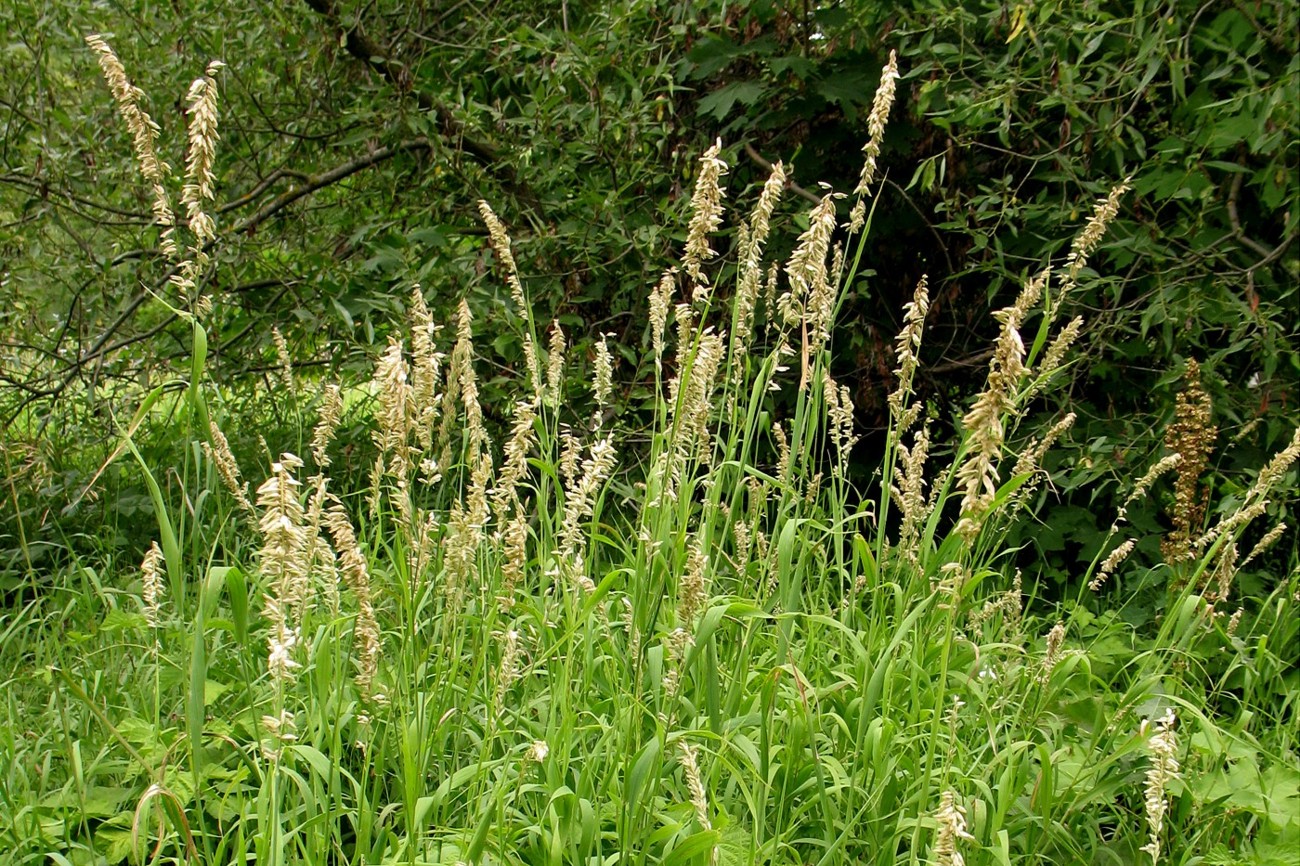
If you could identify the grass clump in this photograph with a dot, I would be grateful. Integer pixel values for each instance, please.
(550, 650)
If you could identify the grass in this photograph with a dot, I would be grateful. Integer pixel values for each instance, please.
(550, 651)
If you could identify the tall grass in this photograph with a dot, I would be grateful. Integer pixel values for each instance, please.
(549, 650)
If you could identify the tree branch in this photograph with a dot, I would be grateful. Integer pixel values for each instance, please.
(374, 54)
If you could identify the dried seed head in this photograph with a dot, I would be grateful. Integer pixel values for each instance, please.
(579, 503)
(1059, 346)
(284, 359)
(908, 490)
(199, 180)
(284, 561)
(811, 296)
(984, 423)
(1052, 654)
(426, 369)
(692, 592)
(1268, 540)
(1191, 435)
(506, 495)
(839, 411)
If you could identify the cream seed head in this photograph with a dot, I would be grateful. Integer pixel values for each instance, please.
(907, 347)
(661, 301)
(203, 137)
(1112, 561)
(951, 819)
(218, 451)
(144, 135)
(327, 423)
(706, 216)
(876, 121)
(1162, 746)
(603, 379)
(1103, 213)
(152, 584)
(555, 366)
(500, 240)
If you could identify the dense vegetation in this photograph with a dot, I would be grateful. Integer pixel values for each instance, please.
(619, 495)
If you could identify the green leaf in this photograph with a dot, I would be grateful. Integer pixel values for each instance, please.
(719, 103)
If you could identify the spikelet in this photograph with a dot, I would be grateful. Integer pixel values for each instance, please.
(694, 783)
(151, 582)
(603, 379)
(523, 436)
(426, 372)
(218, 451)
(693, 590)
(327, 424)
(839, 411)
(555, 367)
(806, 268)
(1255, 502)
(876, 120)
(1112, 561)
(1158, 469)
(1163, 748)
(908, 490)
(1053, 653)
(514, 558)
(1060, 344)
(1103, 213)
(365, 632)
(661, 300)
(907, 347)
(144, 135)
(500, 240)
(706, 216)
(393, 390)
(782, 452)
(284, 359)
(509, 670)
(283, 561)
(984, 423)
(462, 386)
(811, 297)
(579, 503)
(319, 556)
(1268, 540)
(202, 130)
(754, 237)
(198, 187)
(1031, 458)
(951, 819)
